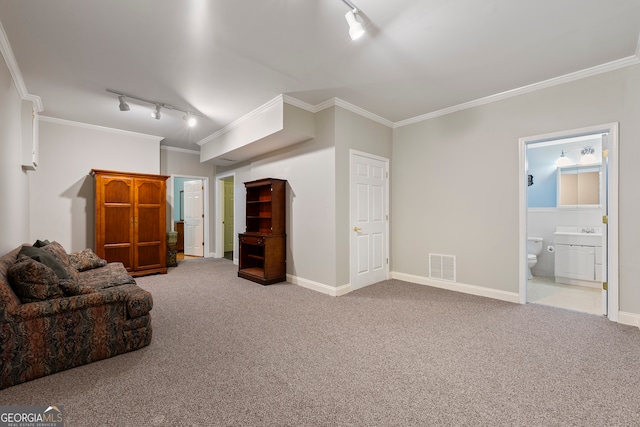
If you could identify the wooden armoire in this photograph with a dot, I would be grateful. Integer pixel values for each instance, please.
(131, 220)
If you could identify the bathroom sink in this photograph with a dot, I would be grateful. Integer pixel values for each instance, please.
(577, 238)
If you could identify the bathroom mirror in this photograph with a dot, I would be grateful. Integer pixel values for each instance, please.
(579, 186)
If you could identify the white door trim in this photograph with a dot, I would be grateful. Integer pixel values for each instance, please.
(219, 223)
(612, 191)
(352, 216)
(205, 200)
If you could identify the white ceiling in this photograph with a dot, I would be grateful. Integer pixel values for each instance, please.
(226, 58)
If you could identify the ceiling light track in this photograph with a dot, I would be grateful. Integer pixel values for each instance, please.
(189, 117)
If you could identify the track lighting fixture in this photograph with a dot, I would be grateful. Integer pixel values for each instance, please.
(156, 114)
(123, 104)
(189, 117)
(355, 28)
(191, 121)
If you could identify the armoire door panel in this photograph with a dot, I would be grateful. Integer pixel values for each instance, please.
(149, 256)
(120, 253)
(119, 220)
(150, 192)
(148, 224)
(118, 190)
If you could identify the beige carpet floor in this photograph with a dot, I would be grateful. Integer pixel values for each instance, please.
(229, 352)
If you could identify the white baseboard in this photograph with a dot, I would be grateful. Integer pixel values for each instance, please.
(459, 287)
(319, 287)
(631, 319)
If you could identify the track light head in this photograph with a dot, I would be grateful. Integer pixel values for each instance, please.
(156, 113)
(191, 121)
(123, 104)
(356, 30)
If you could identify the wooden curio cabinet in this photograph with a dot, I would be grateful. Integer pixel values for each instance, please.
(131, 220)
(263, 244)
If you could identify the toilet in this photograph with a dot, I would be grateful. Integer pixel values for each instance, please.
(534, 248)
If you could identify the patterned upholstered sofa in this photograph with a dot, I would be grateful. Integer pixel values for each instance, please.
(55, 317)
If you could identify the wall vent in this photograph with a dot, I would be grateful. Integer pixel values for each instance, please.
(442, 267)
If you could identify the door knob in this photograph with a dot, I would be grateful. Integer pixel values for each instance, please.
(356, 229)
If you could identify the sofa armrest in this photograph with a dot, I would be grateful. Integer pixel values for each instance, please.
(56, 306)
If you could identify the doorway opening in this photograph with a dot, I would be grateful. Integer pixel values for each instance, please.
(190, 215)
(225, 223)
(569, 220)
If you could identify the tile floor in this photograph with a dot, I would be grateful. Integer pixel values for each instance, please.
(545, 291)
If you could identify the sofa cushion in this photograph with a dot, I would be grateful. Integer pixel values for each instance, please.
(33, 281)
(60, 254)
(86, 259)
(41, 243)
(47, 258)
(112, 274)
(72, 288)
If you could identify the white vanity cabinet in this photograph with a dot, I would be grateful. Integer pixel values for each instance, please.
(578, 258)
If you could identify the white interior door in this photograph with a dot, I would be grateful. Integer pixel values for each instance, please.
(193, 218)
(369, 211)
(229, 237)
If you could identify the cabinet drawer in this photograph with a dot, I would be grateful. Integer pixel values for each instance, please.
(252, 240)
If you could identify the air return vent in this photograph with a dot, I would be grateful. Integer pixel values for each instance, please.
(442, 267)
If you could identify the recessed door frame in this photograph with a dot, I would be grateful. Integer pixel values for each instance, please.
(219, 240)
(205, 201)
(612, 192)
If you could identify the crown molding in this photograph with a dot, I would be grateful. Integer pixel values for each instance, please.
(179, 150)
(362, 112)
(300, 104)
(14, 69)
(100, 128)
(231, 126)
(578, 75)
(337, 102)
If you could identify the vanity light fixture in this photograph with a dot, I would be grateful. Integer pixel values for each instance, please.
(189, 117)
(587, 156)
(563, 160)
(356, 30)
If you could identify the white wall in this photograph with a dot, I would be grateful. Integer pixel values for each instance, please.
(62, 193)
(352, 131)
(455, 179)
(14, 182)
(309, 169)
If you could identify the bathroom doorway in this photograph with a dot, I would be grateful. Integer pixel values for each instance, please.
(569, 199)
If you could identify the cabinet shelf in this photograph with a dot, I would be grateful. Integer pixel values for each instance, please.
(262, 246)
